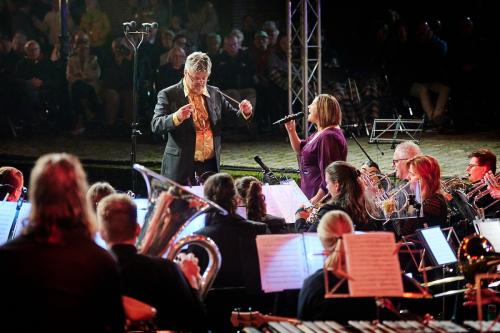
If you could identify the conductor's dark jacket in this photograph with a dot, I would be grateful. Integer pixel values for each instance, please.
(178, 158)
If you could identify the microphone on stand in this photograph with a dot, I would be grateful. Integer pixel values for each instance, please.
(152, 25)
(288, 118)
(130, 25)
(269, 177)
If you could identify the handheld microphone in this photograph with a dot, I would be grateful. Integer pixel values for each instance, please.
(288, 118)
(264, 167)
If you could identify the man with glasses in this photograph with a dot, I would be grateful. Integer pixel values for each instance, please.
(189, 115)
(404, 151)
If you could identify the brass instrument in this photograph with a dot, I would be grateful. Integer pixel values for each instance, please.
(477, 255)
(454, 184)
(479, 191)
(172, 208)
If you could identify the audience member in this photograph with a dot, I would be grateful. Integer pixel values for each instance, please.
(173, 71)
(83, 72)
(214, 42)
(11, 184)
(251, 197)
(155, 281)
(167, 42)
(116, 91)
(272, 31)
(95, 23)
(57, 276)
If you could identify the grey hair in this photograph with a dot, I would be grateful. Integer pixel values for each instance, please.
(198, 62)
(408, 149)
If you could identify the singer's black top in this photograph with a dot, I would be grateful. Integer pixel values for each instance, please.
(316, 153)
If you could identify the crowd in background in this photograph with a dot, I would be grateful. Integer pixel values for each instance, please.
(399, 68)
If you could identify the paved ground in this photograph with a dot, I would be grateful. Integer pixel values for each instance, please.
(451, 151)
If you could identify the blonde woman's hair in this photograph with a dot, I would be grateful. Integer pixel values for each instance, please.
(329, 112)
(58, 186)
(332, 226)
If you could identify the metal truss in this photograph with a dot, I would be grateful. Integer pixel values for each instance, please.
(304, 56)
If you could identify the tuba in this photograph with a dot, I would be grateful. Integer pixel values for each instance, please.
(172, 208)
(477, 255)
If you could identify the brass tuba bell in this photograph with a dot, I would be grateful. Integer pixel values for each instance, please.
(477, 255)
(171, 209)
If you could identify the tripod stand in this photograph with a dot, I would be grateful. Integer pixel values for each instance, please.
(135, 38)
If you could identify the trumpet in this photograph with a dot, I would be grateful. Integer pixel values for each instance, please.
(313, 210)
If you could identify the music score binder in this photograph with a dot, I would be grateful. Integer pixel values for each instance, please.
(286, 260)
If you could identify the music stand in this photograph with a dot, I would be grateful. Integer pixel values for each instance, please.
(387, 130)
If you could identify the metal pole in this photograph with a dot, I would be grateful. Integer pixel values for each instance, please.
(65, 109)
(319, 47)
(289, 54)
(305, 66)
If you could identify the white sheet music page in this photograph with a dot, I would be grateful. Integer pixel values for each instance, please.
(491, 230)
(7, 213)
(373, 264)
(282, 262)
(314, 252)
(286, 199)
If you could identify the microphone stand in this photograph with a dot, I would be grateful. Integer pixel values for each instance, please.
(351, 134)
(135, 38)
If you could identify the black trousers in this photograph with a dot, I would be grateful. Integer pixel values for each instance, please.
(203, 170)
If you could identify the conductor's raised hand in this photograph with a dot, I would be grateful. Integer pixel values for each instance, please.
(184, 112)
(290, 126)
(246, 108)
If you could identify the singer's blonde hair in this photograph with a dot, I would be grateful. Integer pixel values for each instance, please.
(329, 112)
(198, 62)
(332, 226)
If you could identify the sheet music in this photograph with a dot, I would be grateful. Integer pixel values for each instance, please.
(7, 213)
(373, 264)
(314, 252)
(282, 261)
(284, 200)
(491, 230)
(438, 245)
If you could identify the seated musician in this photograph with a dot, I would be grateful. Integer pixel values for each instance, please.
(347, 193)
(250, 195)
(426, 171)
(152, 280)
(97, 192)
(55, 278)
(481, 162)
(312, 304)
(404, 151)
(238, 279)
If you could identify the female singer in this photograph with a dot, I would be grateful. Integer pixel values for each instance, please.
(250, 194)
(325, 146)
(56, 275)
(425, 169)
(347, 194)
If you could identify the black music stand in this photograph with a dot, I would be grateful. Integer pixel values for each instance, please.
(387, 130)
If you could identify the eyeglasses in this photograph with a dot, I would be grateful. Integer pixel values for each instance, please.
(193, 79)
(470, 166)
(394, 162)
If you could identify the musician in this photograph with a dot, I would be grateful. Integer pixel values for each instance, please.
(250, 195)
(55, 278)
(189, 113)
(153, 280)
(370, 168)
(97, 192)
(403, 152)
(238, 277)
(325, 146)
(312, 304)
(426, 171)
(347, 194)
(482, 162)
(11, 183)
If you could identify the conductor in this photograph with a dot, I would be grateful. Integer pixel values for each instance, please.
(189, 114)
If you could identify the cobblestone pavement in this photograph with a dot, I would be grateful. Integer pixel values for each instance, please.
(450, 150)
